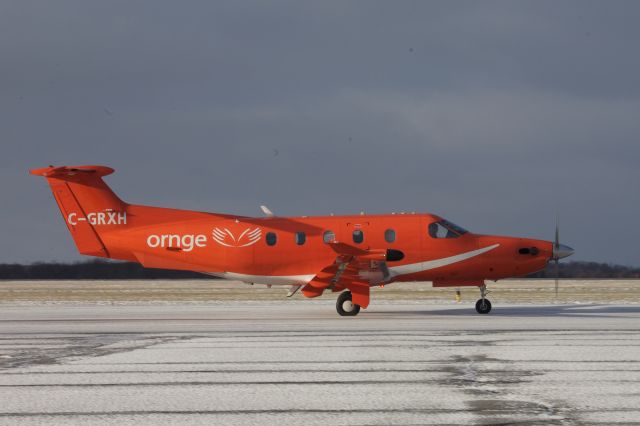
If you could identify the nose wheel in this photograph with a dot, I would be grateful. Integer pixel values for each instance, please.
(483, 306)
(345, 306)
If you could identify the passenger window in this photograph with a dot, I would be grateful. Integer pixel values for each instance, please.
(328, 237)
(300, 238)
(271, 238)
(358, 236)
(389, 235)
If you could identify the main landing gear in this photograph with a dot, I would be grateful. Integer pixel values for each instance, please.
(483, 306)
(345, 306)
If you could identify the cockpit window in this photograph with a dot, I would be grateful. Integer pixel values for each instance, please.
(456, 228)
(445, 229)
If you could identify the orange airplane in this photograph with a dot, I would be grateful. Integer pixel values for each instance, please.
(347, 254)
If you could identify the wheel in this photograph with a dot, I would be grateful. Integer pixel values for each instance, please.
(345, 306)
(483, 306)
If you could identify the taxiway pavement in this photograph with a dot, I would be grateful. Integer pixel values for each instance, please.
(297, 362)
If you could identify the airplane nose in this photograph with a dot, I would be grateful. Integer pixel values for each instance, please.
(561, 251)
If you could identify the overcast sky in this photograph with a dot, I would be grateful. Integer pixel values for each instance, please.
(493, 114)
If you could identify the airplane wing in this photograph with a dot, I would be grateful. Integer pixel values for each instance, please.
(354, 269)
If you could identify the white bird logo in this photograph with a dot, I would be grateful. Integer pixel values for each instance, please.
(226, 238)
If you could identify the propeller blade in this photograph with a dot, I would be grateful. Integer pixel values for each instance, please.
(559, 252)
(557, 276)
(556, 249)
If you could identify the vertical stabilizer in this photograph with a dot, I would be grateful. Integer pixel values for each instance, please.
(88, 206)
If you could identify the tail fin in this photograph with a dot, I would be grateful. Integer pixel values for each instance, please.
(88, 205)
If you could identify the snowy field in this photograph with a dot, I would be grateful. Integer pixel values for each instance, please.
(291, 362)
(214, 291)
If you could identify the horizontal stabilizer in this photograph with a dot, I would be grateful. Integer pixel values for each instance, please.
(68, 172)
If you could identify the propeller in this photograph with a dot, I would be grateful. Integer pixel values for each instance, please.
(556, 249)
(560, 251)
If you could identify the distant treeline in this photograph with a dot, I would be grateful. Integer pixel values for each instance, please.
(90, 270)
(109, 270)
(588, 270)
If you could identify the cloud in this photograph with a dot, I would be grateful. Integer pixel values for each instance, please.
(495, 114)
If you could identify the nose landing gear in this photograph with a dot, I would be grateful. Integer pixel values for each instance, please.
(483, 306)
(345, 306)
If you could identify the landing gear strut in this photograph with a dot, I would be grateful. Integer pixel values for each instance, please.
(483, 306)
(345, 306)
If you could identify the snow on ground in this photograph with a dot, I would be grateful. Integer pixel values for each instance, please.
(285, 363)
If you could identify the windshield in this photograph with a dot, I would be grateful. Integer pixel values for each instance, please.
(445, 229)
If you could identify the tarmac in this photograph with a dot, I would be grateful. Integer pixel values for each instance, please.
(285, 362)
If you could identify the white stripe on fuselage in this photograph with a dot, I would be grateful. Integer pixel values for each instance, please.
(396, 271)
(414, 268)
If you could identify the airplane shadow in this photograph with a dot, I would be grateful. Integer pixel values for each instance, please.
(568, 310)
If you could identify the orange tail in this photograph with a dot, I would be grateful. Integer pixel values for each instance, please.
(88, 205)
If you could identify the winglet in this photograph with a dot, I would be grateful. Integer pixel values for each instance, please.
(266, 211)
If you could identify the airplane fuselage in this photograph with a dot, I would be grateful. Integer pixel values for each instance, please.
(298, 248)
(317, 253)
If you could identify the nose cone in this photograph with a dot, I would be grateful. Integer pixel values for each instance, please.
(561, 251)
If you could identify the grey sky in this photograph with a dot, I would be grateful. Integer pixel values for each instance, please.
(493, 114)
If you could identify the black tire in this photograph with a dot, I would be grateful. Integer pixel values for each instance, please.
(483, 306)
(346, 309)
